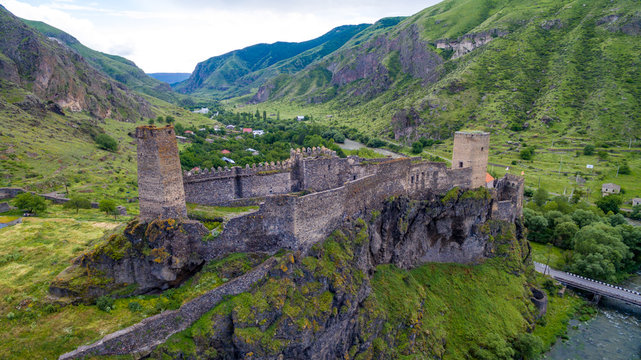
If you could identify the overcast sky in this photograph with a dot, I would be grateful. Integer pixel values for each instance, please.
(174, 35)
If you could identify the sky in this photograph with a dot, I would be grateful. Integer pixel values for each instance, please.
(174, 35)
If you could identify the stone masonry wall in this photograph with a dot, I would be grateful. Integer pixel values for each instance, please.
(471, 149)
(160, 187)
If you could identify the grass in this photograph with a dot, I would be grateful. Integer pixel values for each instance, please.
(217, 212)
(34, 252)
(542, 252)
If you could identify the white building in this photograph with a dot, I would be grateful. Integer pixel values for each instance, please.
(258, 132)
(201, 111)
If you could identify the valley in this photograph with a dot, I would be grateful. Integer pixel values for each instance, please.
(297, 165)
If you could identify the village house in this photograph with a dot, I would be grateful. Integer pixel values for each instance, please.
(247, 130)
(201, 111)
(636, 201)
(230, 127)
(225, 151)
(189, 132)
(228, 160)
(258, 132)
(610, 188)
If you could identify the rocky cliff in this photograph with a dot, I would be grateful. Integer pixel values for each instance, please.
(53, 72)
(137, 259)
(332, 302)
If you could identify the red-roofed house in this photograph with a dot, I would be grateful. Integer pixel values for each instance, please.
(225, 151)
(189, 132)
(489, 180)
(247, 130)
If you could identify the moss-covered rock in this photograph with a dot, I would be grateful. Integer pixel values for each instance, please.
(138, 259)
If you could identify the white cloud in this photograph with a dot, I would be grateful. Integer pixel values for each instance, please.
(172, 35)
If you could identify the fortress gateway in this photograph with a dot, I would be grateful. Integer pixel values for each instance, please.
(305, 197)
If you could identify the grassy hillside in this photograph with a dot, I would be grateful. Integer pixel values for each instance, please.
(116, 67)
(241, 71)
(45, 152)
(562, 68)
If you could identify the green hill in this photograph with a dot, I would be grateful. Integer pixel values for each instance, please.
(116, 67)
(238, 72)
(568, 68)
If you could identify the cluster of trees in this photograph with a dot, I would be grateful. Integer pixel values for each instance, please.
(422, 143)
(280, 136)
(600, 245)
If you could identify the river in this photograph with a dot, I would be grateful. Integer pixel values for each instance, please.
(614, 333)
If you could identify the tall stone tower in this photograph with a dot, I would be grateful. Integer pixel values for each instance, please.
(160, 183)
(471, 149)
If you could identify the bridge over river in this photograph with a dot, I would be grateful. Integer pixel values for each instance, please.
(594, 286)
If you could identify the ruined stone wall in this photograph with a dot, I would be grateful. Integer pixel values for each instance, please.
(160, 186)
(266, 184)
(509, 198)
(471, 149)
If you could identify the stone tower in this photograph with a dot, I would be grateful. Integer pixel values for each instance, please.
(471, 149)
(160, 182)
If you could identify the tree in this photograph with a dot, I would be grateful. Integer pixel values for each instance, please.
(599, 252)
(257, 115)
(609, 203)
(540, 197)
(169, 119)
(588, 150)
(636, 213)
(264, 115)
(106, 142)
(108, 206)
(527, 153)
(77, 202)
(30, 202)
(564, 235)
(151, 121)
(584, 217)
(417, 147)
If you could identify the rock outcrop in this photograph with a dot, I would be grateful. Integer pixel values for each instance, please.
(319, 306)
(53, 72)
(139, 259)
(469, 42)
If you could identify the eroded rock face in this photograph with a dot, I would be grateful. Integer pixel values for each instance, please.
(469, 42)
(139, 259)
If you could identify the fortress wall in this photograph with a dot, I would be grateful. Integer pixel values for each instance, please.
(324, 173)
(268, 229)
(317, 215)
(210, 192)
(261, 185)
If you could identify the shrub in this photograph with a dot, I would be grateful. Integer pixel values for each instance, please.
(417, 147)
(528, 346)
(602, 154)
(106, 142)
(134, 306)
(588, 150)
(527, 153)
(105, 303)
(376, 143)
(625, 169)
(30, 202)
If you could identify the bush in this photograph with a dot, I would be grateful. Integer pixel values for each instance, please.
(527, 153)
(106, 142)
(134, 306)
(417, 147)
(588, 150)
(376, 143)
(105, 303)
(540, 197)
(602, 154)
(636, 213)
(625, 169)
(528, 346)
(30, 202)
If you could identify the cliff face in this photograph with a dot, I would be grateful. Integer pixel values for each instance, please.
(54, 73)
(332, 303)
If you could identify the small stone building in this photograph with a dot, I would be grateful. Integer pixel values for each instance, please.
(636, 201)
(610, 188)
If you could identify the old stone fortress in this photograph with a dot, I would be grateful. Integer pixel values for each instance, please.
(305, 197)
